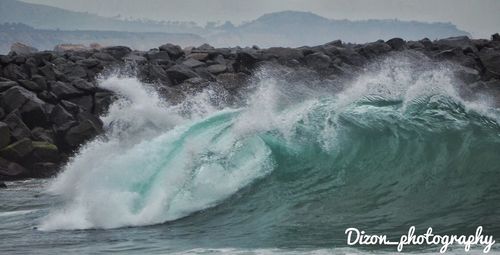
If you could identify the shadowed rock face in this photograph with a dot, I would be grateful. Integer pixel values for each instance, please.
(50, 101)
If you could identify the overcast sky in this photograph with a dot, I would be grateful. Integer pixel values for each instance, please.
(479, 17)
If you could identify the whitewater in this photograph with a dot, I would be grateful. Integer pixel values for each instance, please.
(285, 169)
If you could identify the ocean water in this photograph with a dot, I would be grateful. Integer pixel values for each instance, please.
(285, 171)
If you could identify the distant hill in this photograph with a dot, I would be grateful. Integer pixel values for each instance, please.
(287, 28)
(45, 39)
(291, 28)
(48, 17)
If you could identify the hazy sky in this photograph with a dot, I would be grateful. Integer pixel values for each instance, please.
(480, 17)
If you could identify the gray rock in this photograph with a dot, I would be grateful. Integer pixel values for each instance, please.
(102, 101)
(40, 81)
(14, 72)
(217, 69)
(174, 51)
(491, 60)
(18, 129)
(397, 43)
(159, 57)
(495, 37)
(86, 103)
(135, 58)
(48, 72)
(462, 42)
(179, 73)
(198, 56)
(4, 135)
(89, 62)
(318, 60)
(31, 108)
(285, 53)
(5, 85)
(193, 63)
(11, 171)
(43, 135)
(245, 61)
(375, 49)
(80, 133)
(30, 85)
(153, 72)
(17, 151)
(43, 169)
(60, 116)
(44, 152)
(84, 85)
(48, 96)
(117, 52)
(64, 91)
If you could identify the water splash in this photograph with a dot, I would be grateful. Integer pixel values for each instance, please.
(159, 162)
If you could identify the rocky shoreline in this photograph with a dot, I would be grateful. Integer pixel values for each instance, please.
(50, 102)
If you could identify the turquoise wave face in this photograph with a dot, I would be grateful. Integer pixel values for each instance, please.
(292, 166)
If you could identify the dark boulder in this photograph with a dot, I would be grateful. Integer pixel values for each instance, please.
(7, 84)
(43, 169)
(461, 42)
(88, 63)
(42, 135)
(397, 43)
(14, 72)
(347, 55)
(158, 57)
(4, 135)
(64, 90)
(153, 72)
(198, 56)
(491, 60)
(284, 54)
(31, 108)
(2, 184)
(80, 133)
(30, 85)
(217, 69)
(102, 101)
(138, 59)
(44, 152)
(70, 107)
(48, 72)
(84, 85)
(86, 103)
(18, 129)
(495, 37)
(174, 51)
(104, 57)
(318, 60)
(375, 49)
(73, 71)
(18, 150)
(193, 63)
(40, 81)
(48, 96)
(118, 52)
(179, 73)
(245, 61)
(60, 116)
(11, 171)
(416, 45)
